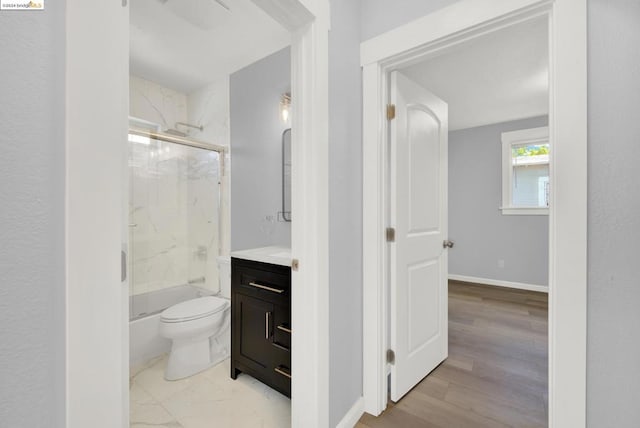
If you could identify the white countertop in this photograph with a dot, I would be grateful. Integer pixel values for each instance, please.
(275, 255)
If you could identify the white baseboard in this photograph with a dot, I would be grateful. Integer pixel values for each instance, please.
(500, 283)
(353, 415)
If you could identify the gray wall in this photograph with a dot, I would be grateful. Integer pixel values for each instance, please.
(481, 233)
(345, 209)
(32, 218)
(380, 16)
(256, 152)
(613, 364)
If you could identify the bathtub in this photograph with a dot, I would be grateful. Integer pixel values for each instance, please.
(145, 342)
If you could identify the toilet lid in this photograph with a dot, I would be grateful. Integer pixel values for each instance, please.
(194, 309)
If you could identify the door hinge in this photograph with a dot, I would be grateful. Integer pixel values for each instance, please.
(391, 356)
(391, 234)
(391, 111)
(295, 265)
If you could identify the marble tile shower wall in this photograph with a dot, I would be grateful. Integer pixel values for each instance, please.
(156, 103)
(203, 219)
(209, 107)
(158, 215)
(174, 213)
(180, 230)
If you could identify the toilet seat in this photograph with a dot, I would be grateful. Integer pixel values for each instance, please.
(194, 309)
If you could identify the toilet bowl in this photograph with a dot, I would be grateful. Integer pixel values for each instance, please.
(197, 328)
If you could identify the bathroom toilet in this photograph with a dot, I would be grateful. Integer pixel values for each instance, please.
(199, 330)
(193, 326)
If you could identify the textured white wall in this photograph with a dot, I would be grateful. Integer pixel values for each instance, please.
(613, 357)
(32, 287)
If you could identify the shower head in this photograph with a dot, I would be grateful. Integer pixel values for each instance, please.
(188, 125)
(175, 132)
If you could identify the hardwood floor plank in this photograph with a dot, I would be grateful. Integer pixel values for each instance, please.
(443, 414)
(460, 361)
(433, 386)
(495, 407)
(500, 387)
(395, 417)
(496, 373)
(534, 369)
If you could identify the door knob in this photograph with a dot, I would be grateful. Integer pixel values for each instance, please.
(447, 244)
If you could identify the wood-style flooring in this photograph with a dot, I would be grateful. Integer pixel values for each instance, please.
(496, 373)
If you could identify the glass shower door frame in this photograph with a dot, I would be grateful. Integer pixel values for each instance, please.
(147, 136)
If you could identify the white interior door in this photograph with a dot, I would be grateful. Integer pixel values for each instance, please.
(418, 190)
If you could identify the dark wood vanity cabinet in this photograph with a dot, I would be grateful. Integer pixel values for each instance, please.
(261, 322)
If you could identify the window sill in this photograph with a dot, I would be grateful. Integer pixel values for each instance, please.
(524, 211)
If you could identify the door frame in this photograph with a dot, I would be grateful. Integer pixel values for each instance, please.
(96, 302)
(433, 33)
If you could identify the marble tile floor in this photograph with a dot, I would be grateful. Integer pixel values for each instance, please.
(210, 399)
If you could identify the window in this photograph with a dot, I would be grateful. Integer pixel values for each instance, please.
(525, 172)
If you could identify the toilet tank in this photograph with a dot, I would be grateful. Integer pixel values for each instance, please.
(224, 274)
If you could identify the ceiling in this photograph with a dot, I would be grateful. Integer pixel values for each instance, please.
(500, 77)
(186, 44)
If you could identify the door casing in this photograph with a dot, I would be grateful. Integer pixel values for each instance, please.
(96, 75)
(461, 22)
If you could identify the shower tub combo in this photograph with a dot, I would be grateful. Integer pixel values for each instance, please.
(174, 235)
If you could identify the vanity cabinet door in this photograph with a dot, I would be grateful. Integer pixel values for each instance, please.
(252, 332)
(261, 322)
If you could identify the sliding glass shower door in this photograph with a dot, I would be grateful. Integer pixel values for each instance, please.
(174, 232)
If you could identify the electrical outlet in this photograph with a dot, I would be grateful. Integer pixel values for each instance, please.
(501, 264)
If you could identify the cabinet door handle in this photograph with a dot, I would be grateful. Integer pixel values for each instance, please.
(264, 287)
(267, 321)
(282, 372)
(283, 328)
(279, 346)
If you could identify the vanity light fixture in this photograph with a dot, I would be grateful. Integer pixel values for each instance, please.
(285, 106)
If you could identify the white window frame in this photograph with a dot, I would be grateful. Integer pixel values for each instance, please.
(509, 139)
